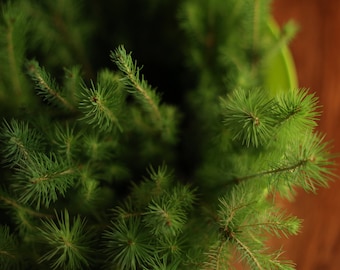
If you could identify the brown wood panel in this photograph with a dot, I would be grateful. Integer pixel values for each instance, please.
(316, 51)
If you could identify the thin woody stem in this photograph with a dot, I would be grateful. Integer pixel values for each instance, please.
(15, 204)
(264, 173)
(53, 92)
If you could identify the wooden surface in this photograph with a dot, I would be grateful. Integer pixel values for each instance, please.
(316, 51)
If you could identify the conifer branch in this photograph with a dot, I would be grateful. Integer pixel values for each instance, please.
(43, 180)
(249, 254)
(255, 257)
(217, 257)
(243, 228)
(289, 168)
(14, 204)
(275, 223)
(163, 117)
(102, 105)
(127, 244)
(48, 177)
(67, 242)
(165, 218)
(298, 110)
(138, 86)
(67, 141)
(249, 116)
(308, 166)
(219, 262)
(20, 142)
(46, 86)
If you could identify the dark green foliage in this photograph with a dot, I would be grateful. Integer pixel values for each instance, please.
(13, 30)
(9, 249)
(68, 245)
(127, 244)
(100, 170)
(20, 142)
(46, 86)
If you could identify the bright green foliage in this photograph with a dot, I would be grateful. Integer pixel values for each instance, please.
(146, 96)
(242, 226)
(100, 170)
(149, 228)
(250, 117)
(102, 104)
(163, 117)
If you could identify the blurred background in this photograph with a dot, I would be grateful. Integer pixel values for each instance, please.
(316, 51)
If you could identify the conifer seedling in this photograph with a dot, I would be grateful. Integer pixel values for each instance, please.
(151, 135)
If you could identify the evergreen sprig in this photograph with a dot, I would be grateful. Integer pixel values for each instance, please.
(242, 228)
(249, 116)
(67, 242)
(255, 118)
(308, 165)
(127, 244)
(164, 118)
(218, 256)
(297, 110)
(165, 217)
(136, 83)
(256, 257)
(19, 142)
(43, 179)
(157, 221)
(47, 86)
(67, 141)
(102, 103)
(153, 186)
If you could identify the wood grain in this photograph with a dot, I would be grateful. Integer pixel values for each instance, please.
(316, 51)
